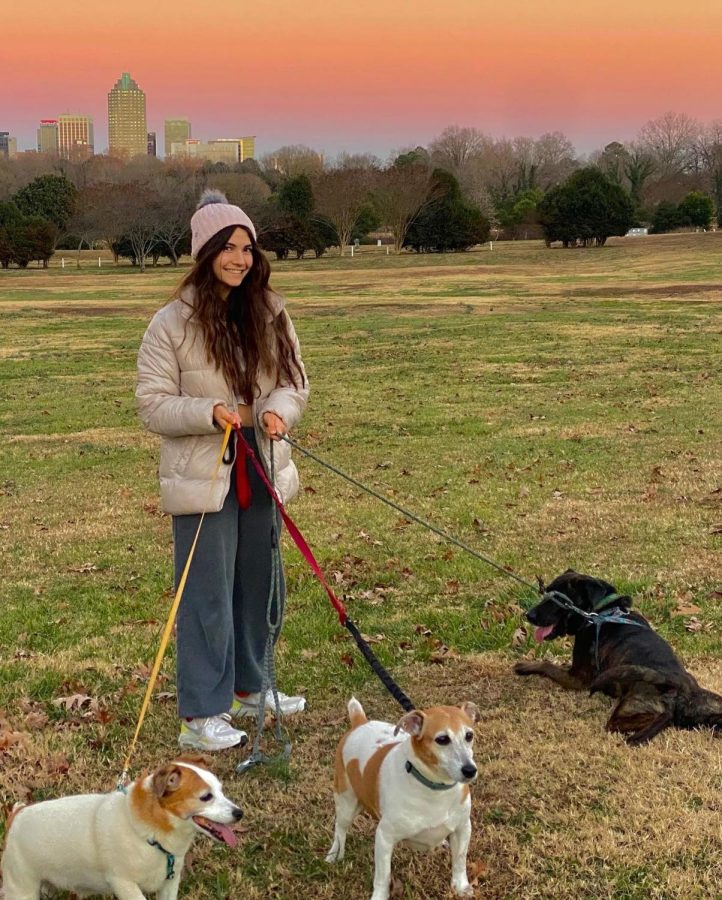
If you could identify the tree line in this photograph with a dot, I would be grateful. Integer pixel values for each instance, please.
(451, 195)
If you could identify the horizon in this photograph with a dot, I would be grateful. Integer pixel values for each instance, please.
(596, 74)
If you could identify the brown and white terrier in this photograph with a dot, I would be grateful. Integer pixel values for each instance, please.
(414, 778)
(123, 843)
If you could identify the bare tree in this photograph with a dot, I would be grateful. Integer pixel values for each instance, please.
(87, 219)
(250, 192)
(356, 161)
(670, 141)
(400, 194)
(710, 149)
(455, 146)
(293, 160)
(341, 196)
(555, 159)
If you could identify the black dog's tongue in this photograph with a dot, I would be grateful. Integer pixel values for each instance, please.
(542, 632)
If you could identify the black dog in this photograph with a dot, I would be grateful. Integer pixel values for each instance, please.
(623, 657)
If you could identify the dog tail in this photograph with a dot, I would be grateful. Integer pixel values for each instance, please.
(704, 710)
(620, 676)
(356, 713)
(13, 812)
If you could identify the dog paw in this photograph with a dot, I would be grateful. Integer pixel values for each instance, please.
(526, 668)
(463, 890)
(333, 856)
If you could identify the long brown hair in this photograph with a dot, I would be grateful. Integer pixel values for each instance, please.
(246, 321)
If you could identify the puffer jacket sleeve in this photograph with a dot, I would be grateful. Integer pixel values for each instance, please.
(161, 406)
(287, 400)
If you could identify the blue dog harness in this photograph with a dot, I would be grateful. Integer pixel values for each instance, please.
(614, 615)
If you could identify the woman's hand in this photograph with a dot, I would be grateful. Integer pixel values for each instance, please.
(274, 425)
(222, 416)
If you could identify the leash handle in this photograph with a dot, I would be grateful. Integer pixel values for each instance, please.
(173, 611)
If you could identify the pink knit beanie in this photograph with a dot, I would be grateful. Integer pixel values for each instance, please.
(213, 214)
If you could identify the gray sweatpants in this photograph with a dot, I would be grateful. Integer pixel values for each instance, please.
(222, 629)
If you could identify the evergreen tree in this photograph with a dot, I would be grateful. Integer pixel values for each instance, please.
(587, 209)
(449, 222)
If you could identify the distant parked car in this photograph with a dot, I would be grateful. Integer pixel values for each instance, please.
(637, 232)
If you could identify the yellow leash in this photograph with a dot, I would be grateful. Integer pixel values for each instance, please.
(123, 780)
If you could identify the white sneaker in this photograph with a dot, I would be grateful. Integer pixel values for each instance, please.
(248, 706)
(211, 733)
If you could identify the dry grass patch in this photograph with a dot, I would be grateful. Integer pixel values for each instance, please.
(561, 809)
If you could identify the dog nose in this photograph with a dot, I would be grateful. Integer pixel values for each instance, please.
(532, 616)
(469, 771)
(237, 813)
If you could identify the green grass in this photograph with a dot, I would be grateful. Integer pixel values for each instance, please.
(549, 408)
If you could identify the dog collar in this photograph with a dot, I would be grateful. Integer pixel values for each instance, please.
(427, 782)
(605, 601)
(169, 860)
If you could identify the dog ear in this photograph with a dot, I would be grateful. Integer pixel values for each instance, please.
(411, 723)
(166, 780)
(470, 709)
(625, 602)
(195, 759)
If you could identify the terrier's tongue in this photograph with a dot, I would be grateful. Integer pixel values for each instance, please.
(226, 835)
(541, 632)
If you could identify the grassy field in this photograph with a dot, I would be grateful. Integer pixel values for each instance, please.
(551, 408)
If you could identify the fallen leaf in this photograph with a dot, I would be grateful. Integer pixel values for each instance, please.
(475, 869)
(74, 701)
(519, 637)
(686, 610)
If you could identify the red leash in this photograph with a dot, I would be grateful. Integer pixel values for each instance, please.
(243, 490)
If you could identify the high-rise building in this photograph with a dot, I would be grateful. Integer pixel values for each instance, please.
(246, 146)
(4, 143)
(152, 148)
(177, 131)
(223, 151)
(75, 136)
(48, 136)
(127, 128)
(12, 147)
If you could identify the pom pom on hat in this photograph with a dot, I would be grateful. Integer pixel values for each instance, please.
(213, 214)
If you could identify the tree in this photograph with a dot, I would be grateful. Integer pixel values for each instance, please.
(244, 189)
(666, 217)
(710, 148)
(176, 200)
(696, 209)
(11, 219)
(51, 197)
(670, 141)
(401, 192)
(455, 147)
(140, 210)
(341, 197)
(639, 166)
(521, 216)
(587, 209)
(295, 197)
(296, 159)
(36, 240)
(448, 222)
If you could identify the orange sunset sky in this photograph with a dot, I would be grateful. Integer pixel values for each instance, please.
(373, 76)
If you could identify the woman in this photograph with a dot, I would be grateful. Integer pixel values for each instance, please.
(224, 351)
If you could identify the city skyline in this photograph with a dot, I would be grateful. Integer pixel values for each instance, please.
(365, 78)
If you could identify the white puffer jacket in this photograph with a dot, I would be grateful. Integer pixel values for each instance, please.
(177, 390)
